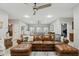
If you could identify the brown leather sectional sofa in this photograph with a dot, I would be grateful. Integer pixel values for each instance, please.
(43, 43)
(61, 49)
(66, 50)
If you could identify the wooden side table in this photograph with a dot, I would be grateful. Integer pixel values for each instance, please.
(8, 43)
(71, 36)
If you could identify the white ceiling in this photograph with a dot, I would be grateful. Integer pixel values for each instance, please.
(18, 10)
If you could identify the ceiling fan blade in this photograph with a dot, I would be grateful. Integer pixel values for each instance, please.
(44, 6)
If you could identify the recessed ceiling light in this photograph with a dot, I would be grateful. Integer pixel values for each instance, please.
(49, 16)
(26, 16)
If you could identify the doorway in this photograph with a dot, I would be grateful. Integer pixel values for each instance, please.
(64, 30)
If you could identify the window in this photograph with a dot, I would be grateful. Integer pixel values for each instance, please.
(45, 30)
(32, 30)
(38, 29)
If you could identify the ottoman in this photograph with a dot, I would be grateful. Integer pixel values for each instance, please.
(21, 50)
(66, 50)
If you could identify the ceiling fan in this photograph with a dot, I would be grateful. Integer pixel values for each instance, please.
(36, 8)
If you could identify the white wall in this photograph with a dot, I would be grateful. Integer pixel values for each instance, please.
(3, 30)
(76, 26)
(57, 27)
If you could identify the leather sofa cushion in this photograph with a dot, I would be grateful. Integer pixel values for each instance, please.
(37, 42)
(37, 38)
(21, 48)
(42, 38)
(42, 42)
(46, 38)
(48, 42)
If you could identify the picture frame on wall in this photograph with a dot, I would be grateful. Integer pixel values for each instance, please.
(72, 25)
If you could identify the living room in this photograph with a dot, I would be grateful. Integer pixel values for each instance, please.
(39, 29)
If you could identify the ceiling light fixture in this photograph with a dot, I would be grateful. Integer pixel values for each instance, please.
(49, 16)
(26, 16)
